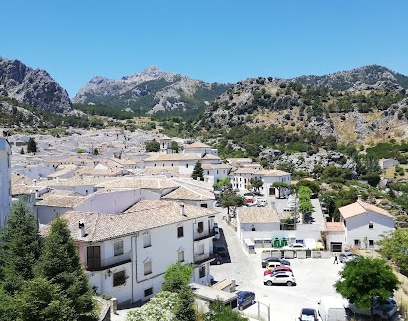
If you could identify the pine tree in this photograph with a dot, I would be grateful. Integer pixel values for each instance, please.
(20, 248)
(60, 265)
(198, 172)
(31, 146)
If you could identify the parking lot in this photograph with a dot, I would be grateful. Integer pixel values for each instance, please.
(314, 277)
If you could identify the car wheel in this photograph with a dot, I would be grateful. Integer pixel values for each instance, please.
(218, 262)
(348, 311)
(289, 283)
(269, 283)
(241, 308)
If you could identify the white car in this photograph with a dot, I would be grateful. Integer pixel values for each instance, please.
(280, 278)
(295, 247)
(216, 233)
(381, 311)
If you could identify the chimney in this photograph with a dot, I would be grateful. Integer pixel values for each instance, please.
(182, 212)
(359, 198)
(81, 229)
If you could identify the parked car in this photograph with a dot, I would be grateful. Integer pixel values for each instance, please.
(295, 247)
(217, 232)
(308, 314)
(262, 202)
(245, 298)
(217, 259)
(345, 257)
(381, 311)
(278, 269)
(220, 250)
(284, 278)
(266, 260)
(272, 265)
(217, 203)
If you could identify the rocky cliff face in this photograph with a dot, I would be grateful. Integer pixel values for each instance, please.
(34, 87)
(150, 91)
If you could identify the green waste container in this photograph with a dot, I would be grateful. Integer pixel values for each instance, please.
(276, 243)
(284, 242)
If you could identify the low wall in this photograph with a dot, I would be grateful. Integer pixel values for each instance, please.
(105, 314)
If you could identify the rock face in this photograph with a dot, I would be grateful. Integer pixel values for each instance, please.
(150, 92)
(34, 87)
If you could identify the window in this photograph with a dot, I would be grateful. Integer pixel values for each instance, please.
(147, 240)
(200, 227)
(180, 231)
(147, 268)
(148, 292)
(119, 278)
(118, 248)
(93, 256)
(371, 225)
(186, 165)
(371, 242)
(201, 272)
(181, 256)
(356, 242)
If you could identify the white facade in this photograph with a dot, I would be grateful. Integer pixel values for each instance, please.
(130, 266)
(365, 224)
(5, 174)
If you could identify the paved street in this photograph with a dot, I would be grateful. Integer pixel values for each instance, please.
(314, 277)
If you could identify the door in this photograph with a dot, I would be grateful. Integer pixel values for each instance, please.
(93, 257)
(335, 247)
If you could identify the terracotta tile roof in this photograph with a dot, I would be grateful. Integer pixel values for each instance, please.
(172, 157)
(183, 193)
(272, 172)
(216, 166)
(257, 215)
(361, 207)
(242, 170)
(142, 216)
(139, 182)
(61, 199)
(197, 145)
(334, 227)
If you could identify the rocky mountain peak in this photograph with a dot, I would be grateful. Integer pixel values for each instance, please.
(34, 87)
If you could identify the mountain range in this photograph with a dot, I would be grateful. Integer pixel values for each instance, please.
(350, 105)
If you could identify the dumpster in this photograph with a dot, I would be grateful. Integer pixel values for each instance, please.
(276, 243)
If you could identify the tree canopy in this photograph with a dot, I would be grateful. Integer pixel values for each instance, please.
(231, 199)
(363, 278)
(198, 172)
(394, 246)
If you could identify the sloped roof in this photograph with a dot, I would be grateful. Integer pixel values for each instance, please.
(144, 215)
(184, 193)
(272, 172)
(361, 207)
(257, 215)
(334, 227)
(197, 145)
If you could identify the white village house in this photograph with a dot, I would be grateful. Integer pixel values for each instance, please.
(126, 255)
(364, 224)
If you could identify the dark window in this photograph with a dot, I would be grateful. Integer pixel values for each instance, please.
(148, 292)
(200, 227)
(119, 278)
(371, 242)
(370, 225)
(118, 248)
(201, 272)
(93, 256)
(180, 231)
(357, 242)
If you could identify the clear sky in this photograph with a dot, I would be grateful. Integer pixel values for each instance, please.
(210, 40)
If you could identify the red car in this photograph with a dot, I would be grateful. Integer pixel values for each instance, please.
(277, 269)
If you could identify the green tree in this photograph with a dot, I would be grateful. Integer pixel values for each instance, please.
(231, 199)
(20, 248)
(176, 280)
(256, 183)
(31, 146)
(152, 146)
(394, 246)
(363, 278)
(175, 147)
(60, 265)
(41, 300)
(219, 312)
(223, 182)
(280, 186)
(197, 172)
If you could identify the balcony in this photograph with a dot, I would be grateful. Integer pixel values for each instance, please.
(203, 235)
(201, 258)
(99, 265)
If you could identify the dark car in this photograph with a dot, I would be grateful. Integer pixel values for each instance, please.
(220, 250)
(217, 259)
(265, 261)
(245, 298)
(308, 314)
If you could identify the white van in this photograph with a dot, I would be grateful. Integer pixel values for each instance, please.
(331, 309)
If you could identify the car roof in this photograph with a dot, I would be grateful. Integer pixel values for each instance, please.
(242, 293)
(270, 258)
(308, 311)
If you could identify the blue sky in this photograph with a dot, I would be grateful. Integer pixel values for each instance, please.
(214, 41)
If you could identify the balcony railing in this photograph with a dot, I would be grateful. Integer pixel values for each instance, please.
(201, 258)
(203, 235)
(98, 265)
